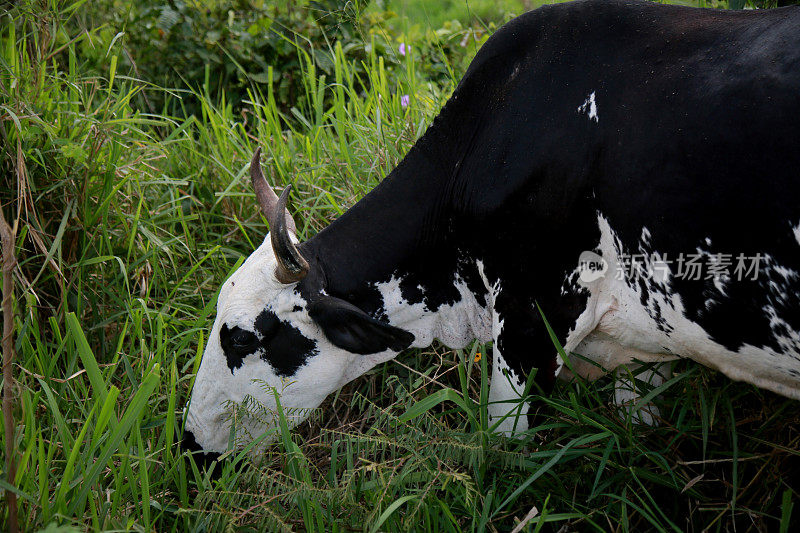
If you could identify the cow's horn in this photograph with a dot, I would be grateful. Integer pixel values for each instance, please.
(291, 265)
(267, 198)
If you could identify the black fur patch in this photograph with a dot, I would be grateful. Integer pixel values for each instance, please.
(233, 346)
(279, 343)
(285, 348)
(204, 460)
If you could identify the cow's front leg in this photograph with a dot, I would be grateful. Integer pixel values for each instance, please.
(521, 346)
(505, 391)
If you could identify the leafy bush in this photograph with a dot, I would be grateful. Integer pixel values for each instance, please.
(225, 49)
(229, 47)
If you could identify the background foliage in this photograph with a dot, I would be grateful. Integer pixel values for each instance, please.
(126, 129)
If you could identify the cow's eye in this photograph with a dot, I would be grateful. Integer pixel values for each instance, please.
(242, 339)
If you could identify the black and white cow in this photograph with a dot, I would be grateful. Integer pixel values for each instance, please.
(594, 154)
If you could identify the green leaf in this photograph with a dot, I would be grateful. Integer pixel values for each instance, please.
(389, 510)
(119, 433)
(428, 403)
(87, 358)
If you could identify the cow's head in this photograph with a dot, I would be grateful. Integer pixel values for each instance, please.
(274, 333)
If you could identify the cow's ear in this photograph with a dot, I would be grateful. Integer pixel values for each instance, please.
(351, 329)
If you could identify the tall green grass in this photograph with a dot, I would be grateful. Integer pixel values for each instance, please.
(130, 221)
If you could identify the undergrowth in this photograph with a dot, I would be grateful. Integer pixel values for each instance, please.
(128, 220)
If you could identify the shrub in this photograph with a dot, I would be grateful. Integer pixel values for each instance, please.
(228, 46)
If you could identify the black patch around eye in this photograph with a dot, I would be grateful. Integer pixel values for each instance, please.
(243, 340)
(281, 345)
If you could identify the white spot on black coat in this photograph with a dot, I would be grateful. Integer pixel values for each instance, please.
(589, 106)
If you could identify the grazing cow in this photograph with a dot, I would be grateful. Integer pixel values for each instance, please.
(632, 168)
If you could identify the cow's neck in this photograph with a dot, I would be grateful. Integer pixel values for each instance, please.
(391, 228)
(401, 251)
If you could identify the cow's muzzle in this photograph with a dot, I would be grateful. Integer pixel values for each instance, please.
(202, 458)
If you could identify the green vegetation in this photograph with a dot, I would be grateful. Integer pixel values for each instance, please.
(128, 185)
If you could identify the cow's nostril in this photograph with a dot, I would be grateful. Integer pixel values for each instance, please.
(202, 458)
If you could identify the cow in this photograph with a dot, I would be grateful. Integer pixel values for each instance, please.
(626, 173)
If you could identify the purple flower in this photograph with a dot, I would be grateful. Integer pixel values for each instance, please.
(404, 100)
(402, 49)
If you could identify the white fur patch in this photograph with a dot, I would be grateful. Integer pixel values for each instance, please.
(504, 395)
(777, 282)
(455, 325)
(505, 387)
(589, 106)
